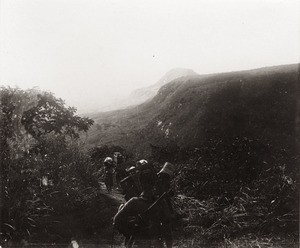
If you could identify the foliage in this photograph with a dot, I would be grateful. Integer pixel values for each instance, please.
(165, 153)
(51, 116)
(237, 187)
(99, 153)
(222, 166)
(44, 171)
(229, 134)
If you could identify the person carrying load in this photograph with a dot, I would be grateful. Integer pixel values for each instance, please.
(131, 184)
(163, 184)
(108, 173)
(141, 219)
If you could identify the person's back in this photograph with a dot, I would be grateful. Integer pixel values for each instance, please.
(131, 184)
(138, 220)
(130, 188)
(131, 221)
(163, 185)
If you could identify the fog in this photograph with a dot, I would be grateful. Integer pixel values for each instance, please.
(91, 53)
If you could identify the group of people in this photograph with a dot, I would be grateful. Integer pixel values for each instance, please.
(146, 218)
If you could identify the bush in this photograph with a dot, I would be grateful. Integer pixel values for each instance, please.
(44, 170)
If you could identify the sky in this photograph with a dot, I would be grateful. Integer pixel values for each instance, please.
(92, 52)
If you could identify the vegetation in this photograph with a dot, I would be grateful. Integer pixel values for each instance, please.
(188, 111)
(48, 188)
(225, 194)
(235, 140)
(232, 136)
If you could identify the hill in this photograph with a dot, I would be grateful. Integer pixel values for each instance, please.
(141, 95)
(188, 111)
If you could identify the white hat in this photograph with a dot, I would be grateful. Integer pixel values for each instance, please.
(131, 169)
(141, 164)
(108, 160)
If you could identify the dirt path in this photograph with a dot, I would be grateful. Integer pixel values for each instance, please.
(114, 194)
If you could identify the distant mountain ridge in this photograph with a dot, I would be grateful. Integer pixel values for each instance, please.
(189, 111)
(141, 95)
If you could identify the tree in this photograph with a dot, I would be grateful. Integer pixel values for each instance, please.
(51, 116)
(37, 134)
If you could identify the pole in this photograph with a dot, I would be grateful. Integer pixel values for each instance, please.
(112, 235)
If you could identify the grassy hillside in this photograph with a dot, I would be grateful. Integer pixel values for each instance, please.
(189, 111)
(234, 138)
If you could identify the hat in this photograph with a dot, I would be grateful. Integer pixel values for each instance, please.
(142, 164)
(131, 169)
(108, 160)
(168, 168)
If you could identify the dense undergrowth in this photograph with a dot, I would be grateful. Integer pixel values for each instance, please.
(49, 186)
(240, 189)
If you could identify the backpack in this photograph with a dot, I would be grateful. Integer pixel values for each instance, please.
(133, 225)
(141, 224)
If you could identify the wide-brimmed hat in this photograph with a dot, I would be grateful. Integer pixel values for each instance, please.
(108, 160)
(168, 168)
(131, 169)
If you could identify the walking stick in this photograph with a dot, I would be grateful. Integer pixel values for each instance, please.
(112, 235)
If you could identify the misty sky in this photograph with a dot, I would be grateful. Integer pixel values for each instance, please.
(90, 52)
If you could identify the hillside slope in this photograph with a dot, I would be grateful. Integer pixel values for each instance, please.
(187, 112)
(141, 95)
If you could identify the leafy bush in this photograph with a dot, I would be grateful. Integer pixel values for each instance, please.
(44, 170)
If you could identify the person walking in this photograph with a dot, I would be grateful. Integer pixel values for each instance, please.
(131, 184)
(108, 173)
(141, 219)
(163, 185)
